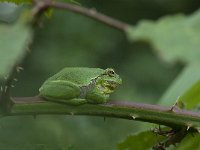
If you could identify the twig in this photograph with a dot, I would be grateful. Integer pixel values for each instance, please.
(92, 13)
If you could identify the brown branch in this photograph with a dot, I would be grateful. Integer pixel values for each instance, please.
(117, 109)
(92, 13)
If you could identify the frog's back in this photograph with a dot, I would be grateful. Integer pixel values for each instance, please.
(78, 75)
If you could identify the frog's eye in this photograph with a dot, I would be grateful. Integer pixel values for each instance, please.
(111, 72)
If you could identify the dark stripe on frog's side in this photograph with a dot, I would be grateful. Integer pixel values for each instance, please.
(85, 89)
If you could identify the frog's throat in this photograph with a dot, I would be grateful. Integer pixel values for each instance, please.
(86, 88)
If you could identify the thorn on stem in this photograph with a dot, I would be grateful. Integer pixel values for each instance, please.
(188, 126)
(175, 105)
(133, 116)
(18, 68)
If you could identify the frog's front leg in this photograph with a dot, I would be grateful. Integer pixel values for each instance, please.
(96, 97)
(60, 90)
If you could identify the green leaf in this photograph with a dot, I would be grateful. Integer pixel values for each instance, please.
(190, 142)
(173, 37)
(191, 97)
(14, 40)
(141, 141)
(186, 79)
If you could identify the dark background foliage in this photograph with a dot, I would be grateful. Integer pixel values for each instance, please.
(70, 40)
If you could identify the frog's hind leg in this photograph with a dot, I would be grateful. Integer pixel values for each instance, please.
(62, 90)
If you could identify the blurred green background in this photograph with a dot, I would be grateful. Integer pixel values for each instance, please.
(66, 40)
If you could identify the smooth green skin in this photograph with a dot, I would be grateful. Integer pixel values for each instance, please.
(80, 85)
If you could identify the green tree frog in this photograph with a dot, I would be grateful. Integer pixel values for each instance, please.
(80, 85)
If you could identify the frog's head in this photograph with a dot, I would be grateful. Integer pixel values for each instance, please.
(108, 81)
